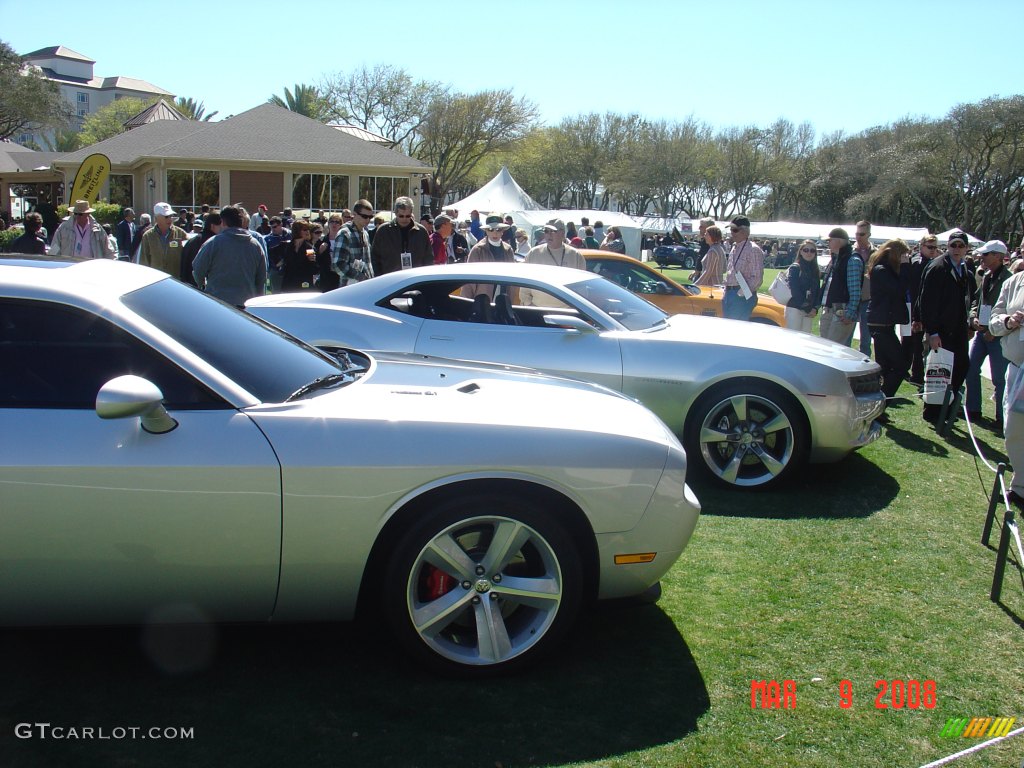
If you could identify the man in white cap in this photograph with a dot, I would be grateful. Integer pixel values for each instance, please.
(81, 236)
(985, 344)
(162, 243)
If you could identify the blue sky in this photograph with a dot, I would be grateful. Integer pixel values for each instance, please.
(840, 66)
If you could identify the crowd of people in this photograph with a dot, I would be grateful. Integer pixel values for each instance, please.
(906, 302)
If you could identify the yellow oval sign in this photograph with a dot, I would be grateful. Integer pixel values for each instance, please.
(91, 175)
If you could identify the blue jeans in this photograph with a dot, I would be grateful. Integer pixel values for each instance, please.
(735, 307)
(994, 351)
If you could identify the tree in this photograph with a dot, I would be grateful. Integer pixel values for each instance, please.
(193, 110)
(28, 101)
(460, 130)
(304, 99)
(109, 120)
(385, 100)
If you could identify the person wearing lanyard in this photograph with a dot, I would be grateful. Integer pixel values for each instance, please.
(401, 243)
(943, 304)
(985, 344)
(81, 236)
(744, 272)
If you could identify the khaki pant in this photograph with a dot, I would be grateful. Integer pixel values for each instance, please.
(832, 328)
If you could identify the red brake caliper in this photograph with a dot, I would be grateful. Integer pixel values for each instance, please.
(438, 583)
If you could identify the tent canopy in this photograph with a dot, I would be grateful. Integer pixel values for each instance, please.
(499, 195)
(796, 230)
(944, 236)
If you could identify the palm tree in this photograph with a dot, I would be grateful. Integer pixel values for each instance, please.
(192, 109)
(304, 99)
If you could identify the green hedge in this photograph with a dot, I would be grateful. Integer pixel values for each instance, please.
(7, 237)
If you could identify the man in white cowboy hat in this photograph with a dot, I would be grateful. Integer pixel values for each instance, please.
(80, 235)
(162, 243)
(490, 248)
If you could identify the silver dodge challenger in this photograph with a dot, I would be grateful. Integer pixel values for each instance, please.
(162, 449)
(751, 403)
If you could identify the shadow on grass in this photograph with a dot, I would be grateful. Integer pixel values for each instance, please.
(911, 441)
(328, 695)
(853, 487)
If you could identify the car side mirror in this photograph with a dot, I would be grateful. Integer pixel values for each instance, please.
(128, 396)
(569, 321)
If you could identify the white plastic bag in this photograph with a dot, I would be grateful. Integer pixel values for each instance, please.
(779, 289)
(938, 370)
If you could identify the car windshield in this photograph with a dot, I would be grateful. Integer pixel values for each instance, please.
(630, 310)
(262, 359)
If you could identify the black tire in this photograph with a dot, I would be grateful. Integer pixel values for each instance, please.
(764, 321)
(482, 584)
(725, 437)
(688, 262)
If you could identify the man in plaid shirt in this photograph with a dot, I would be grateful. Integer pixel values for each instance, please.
(351, 251)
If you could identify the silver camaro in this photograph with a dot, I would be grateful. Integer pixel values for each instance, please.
(751, 403)
(165, 455)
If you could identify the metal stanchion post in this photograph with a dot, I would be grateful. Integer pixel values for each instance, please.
(1001, 554)
(950, 404)
(993, 501)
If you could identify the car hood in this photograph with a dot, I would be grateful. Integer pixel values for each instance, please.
(745, 336)
(412, 388)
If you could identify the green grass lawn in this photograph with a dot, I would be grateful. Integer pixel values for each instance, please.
(869, 569)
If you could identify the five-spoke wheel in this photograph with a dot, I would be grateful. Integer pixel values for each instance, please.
(746, 434)
(483, 582)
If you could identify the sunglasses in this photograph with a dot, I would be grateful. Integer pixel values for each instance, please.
(398, 216)
(808, 250)
(734, 229)
(362, 215)
(931, 247)
(957, 244)
(863, 234)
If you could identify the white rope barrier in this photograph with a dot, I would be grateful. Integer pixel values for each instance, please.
(976, 748)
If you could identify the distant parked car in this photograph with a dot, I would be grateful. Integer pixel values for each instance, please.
(672, 297)
(676, 256)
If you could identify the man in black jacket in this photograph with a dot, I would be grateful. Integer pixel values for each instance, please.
(944, 302)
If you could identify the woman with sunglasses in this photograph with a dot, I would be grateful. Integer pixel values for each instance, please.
(887, 308)
(300, 263)
(804, 278)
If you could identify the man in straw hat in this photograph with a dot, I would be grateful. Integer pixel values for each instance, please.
(81, 236)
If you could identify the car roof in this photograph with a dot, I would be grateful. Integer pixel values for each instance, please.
(99, 280)
(462, 273)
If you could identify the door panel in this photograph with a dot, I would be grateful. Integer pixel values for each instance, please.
(101, 521)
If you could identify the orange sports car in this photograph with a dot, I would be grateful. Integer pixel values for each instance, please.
(672, 297)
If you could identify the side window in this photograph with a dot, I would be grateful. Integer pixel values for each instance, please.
(54, 356)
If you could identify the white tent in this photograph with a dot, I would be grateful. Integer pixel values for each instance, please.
(796, 230)
(971, 239)
(499, 195)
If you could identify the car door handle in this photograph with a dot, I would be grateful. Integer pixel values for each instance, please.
(442, 338)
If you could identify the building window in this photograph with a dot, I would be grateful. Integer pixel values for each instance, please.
(381, 191)
(83, 113)
(83, 98)
(122, 189)
(191, 189)
(318, 191)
